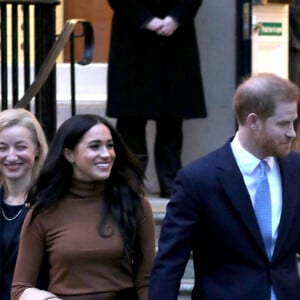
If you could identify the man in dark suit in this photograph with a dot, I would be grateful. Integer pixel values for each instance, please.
(213, 211)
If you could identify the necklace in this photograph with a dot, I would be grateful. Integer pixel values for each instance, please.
(13, 218)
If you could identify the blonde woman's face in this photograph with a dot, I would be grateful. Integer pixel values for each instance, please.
(17, 152)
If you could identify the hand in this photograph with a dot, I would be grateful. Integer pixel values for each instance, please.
(170, 25)
(155, 24)
(34, 293)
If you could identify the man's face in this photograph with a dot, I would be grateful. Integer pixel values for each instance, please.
(275, 134)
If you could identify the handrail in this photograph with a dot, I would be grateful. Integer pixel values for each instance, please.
(30, 1)
(53, 54)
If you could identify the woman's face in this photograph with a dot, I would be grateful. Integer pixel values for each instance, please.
(93, 157)
(17, 152)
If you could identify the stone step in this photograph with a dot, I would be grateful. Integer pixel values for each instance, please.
(186, 287)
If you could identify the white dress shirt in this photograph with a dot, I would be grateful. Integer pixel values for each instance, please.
(249, 167)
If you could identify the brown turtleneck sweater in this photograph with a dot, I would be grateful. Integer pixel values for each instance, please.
(82, 263)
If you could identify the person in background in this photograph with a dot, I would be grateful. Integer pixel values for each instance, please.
(154, 74)
(238, 208)
(90, 215)
(23, 149)
(294, 52)
(294, 42)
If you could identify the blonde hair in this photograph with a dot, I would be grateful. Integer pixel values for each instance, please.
(22, 117)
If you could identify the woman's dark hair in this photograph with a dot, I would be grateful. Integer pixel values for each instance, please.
(123, 189)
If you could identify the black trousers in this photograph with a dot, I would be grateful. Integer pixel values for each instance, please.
(167, 146)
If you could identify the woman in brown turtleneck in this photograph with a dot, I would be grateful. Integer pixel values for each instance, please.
(90, 217)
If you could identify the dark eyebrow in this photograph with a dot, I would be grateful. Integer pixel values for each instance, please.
(97, 142)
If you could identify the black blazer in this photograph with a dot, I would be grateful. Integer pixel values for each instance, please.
(211, 215)
(8, 251)
(8, 258)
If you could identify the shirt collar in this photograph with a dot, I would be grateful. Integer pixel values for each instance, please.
(246, 161)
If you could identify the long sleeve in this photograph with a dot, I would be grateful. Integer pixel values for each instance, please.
(138, 12)
(132, 11)
(185, 10)
(146, 239)
(29, 259)
(175, 243)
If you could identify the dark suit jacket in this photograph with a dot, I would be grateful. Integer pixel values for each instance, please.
(211, 215)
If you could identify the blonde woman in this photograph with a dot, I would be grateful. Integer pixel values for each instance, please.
(23, 149)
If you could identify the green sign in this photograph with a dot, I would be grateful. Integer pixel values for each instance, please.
(270, 28)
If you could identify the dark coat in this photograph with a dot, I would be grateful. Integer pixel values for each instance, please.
(211, 215)
(294, 19)
(152, 76)
(9, 252)
(9, 242)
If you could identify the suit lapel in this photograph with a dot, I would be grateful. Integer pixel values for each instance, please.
(289, 180)
(236, 190)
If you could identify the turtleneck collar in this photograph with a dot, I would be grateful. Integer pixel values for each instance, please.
(83, 189)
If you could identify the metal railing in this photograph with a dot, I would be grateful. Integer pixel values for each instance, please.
(37, 25)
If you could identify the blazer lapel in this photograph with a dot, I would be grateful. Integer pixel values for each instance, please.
(290, 195)
(236, 190)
